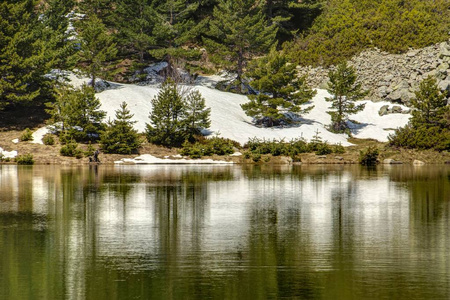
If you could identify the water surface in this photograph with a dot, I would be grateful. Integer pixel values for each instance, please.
(224, 232)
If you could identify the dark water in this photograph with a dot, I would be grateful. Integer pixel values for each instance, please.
(184, 232)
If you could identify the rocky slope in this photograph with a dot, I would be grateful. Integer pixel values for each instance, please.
(394, 77)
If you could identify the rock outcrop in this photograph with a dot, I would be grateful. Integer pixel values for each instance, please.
(393, 77)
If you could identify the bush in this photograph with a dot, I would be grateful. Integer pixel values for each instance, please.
(369, 157)
(27, 135)
(48, 140)
(256, 157)
(208, 147)
(26, 159)
(71, 150)
(421, 138)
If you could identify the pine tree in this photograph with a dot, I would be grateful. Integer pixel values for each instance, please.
(135, 21)
(78, 112)
(238, 30)
(96, 47)
(167, 119)
(345, 90)
(174, 29)
(120, 136)
(280, 91)
(429, 127)
(176, 116)
(430, 103)
(56, 19)
(24, 59)
(197, 113)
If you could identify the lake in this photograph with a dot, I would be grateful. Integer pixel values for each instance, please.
(224, 232)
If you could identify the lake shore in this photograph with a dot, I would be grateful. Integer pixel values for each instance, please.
(45, 154)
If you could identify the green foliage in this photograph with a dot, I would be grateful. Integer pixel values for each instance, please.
(208, 147)
(291, 148)
(27, 135)
(25, 56)
(256, 157)
(280, 91)
(76, 113)
(422, 137)
(430, 103)
(429, 127)
(176, 115)
(369, 157)
(346, 90)
(48, 140)
(26, 159)
(96, 47)
(238, 30)
(135, 21)
(197, 113)
(347, 26)
(71, 149)
(175, 31)
(120, 136)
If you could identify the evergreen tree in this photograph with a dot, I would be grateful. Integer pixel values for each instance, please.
(197, 113)
(167, 119)
(96, 47)
(120, 136)
(24, 55)
(135, 21)
(79, 112)
(345, 90)
(280, 91)
(174, 29)
(430, 103)
(238, 30)
(56, 19)
(429, 127)
(176, 115)
(100, 8)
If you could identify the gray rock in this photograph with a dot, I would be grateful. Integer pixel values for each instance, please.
(444, 86)
(444, 50)
(384, 110)
(390, 161)
(396, 109)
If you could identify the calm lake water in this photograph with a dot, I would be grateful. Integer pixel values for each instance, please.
(224, 232)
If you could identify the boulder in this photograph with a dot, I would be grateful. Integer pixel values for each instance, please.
(418, 162)
(396, 109)
(390, 161)
(444, 86)
(384, 110)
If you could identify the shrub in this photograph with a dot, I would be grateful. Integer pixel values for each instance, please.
(256, 157)
(208, 147)
(338, 149)
(27, 135)
(369, 157)
(71, 150)
(26, 159)
(48, 140)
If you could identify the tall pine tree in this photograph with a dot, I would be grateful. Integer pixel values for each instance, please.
(174, 30)
(135, 21)
(96, 47)
(24, 56)
(280, 91)
(238, 31)
(345, 90)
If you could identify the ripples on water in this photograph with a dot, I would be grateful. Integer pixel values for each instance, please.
(186, 232)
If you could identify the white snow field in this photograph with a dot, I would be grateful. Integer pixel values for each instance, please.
(228, 120)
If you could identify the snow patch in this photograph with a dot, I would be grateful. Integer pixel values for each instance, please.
(7, 154)
(150, 159)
